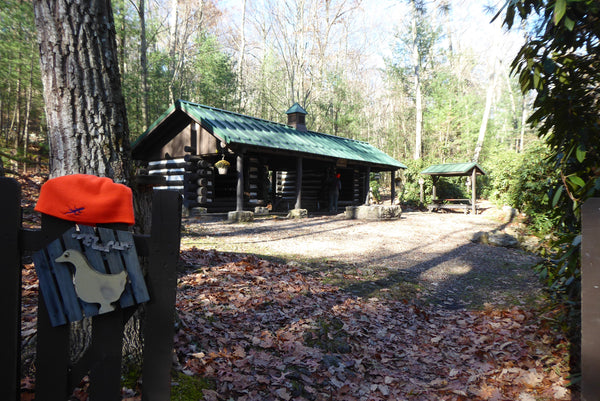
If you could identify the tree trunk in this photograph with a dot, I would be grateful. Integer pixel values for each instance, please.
(86, 116)
(523, 124)
(144, 63)
(417, 83)
(87, 123)
(240, 66)
(484, 120)
(28, 112)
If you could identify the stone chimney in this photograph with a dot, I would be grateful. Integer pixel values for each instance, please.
(296, 117)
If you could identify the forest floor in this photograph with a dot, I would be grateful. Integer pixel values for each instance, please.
(331, 309)
(430, 256)
(326, 308)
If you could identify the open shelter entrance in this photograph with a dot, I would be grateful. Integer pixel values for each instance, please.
(437, 171)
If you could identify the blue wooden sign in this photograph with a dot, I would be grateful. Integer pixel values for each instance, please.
(88, 270)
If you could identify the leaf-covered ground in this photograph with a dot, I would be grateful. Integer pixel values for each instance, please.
(341, 328)
(268, 331)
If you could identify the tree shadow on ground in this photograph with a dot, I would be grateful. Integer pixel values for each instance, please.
(309, 228)
(469, 276)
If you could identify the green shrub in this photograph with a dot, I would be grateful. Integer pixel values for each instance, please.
(525, 182)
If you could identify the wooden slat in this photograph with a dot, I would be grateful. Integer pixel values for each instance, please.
(10, 290)
(64, 282)
(115, 265)
(71, 243)
(93, 256)
(162, 282)
(107, 344)
(52, 354)
(136, 277)
(49, 291)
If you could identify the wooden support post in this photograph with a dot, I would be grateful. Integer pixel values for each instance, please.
(10, 293)
(159, 319)
(239, 195)
(367, 185)
(590, 299)
(392, 186)
(474, 191)
(433, 194)
(298, 183)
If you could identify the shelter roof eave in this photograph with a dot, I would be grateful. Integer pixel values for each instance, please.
(453, 169)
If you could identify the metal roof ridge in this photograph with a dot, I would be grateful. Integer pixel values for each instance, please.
(266, 121)
(336, 136)
(232, 113)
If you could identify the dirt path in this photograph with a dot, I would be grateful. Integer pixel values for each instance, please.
(423, 255)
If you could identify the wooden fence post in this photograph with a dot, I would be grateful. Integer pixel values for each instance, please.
(10, 290)
(159, 317)
(590, 300)
(52, 379)
(55, 377)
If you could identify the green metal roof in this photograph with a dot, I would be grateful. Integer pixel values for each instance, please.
(234, 128)
(453, 169)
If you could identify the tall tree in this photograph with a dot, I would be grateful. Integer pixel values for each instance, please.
(417, 11)
(489, 93)
(411, 65)
(85, 109)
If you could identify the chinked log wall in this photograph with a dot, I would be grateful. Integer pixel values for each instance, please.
(314, 190)
(191, 175)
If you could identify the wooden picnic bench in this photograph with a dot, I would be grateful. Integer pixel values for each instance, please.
(451, 204)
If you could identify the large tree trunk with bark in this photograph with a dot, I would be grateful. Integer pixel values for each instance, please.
(87, 124)
(88, 131)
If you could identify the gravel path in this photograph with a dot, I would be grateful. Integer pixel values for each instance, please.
(424, 255)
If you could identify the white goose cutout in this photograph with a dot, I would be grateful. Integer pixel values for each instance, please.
(92, 286)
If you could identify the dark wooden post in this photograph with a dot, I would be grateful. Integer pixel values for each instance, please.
(52, 380)
(10, 290)
(393, 186)
(159, 317)
(367, 185)
(590, 299)
(474, 191)
(298, 183)
(239, 195)
(433, 191)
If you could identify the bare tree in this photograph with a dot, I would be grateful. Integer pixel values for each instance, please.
(486, 116)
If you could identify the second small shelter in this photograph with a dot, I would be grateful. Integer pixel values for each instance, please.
(470, 169)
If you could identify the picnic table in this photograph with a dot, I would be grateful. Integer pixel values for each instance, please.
(451, 204)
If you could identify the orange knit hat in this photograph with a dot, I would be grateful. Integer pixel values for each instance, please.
(86, 199)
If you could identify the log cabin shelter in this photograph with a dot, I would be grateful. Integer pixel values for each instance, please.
(274, 165)
(470, 169)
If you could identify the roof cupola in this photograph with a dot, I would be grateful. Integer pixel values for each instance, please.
(296, 117)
